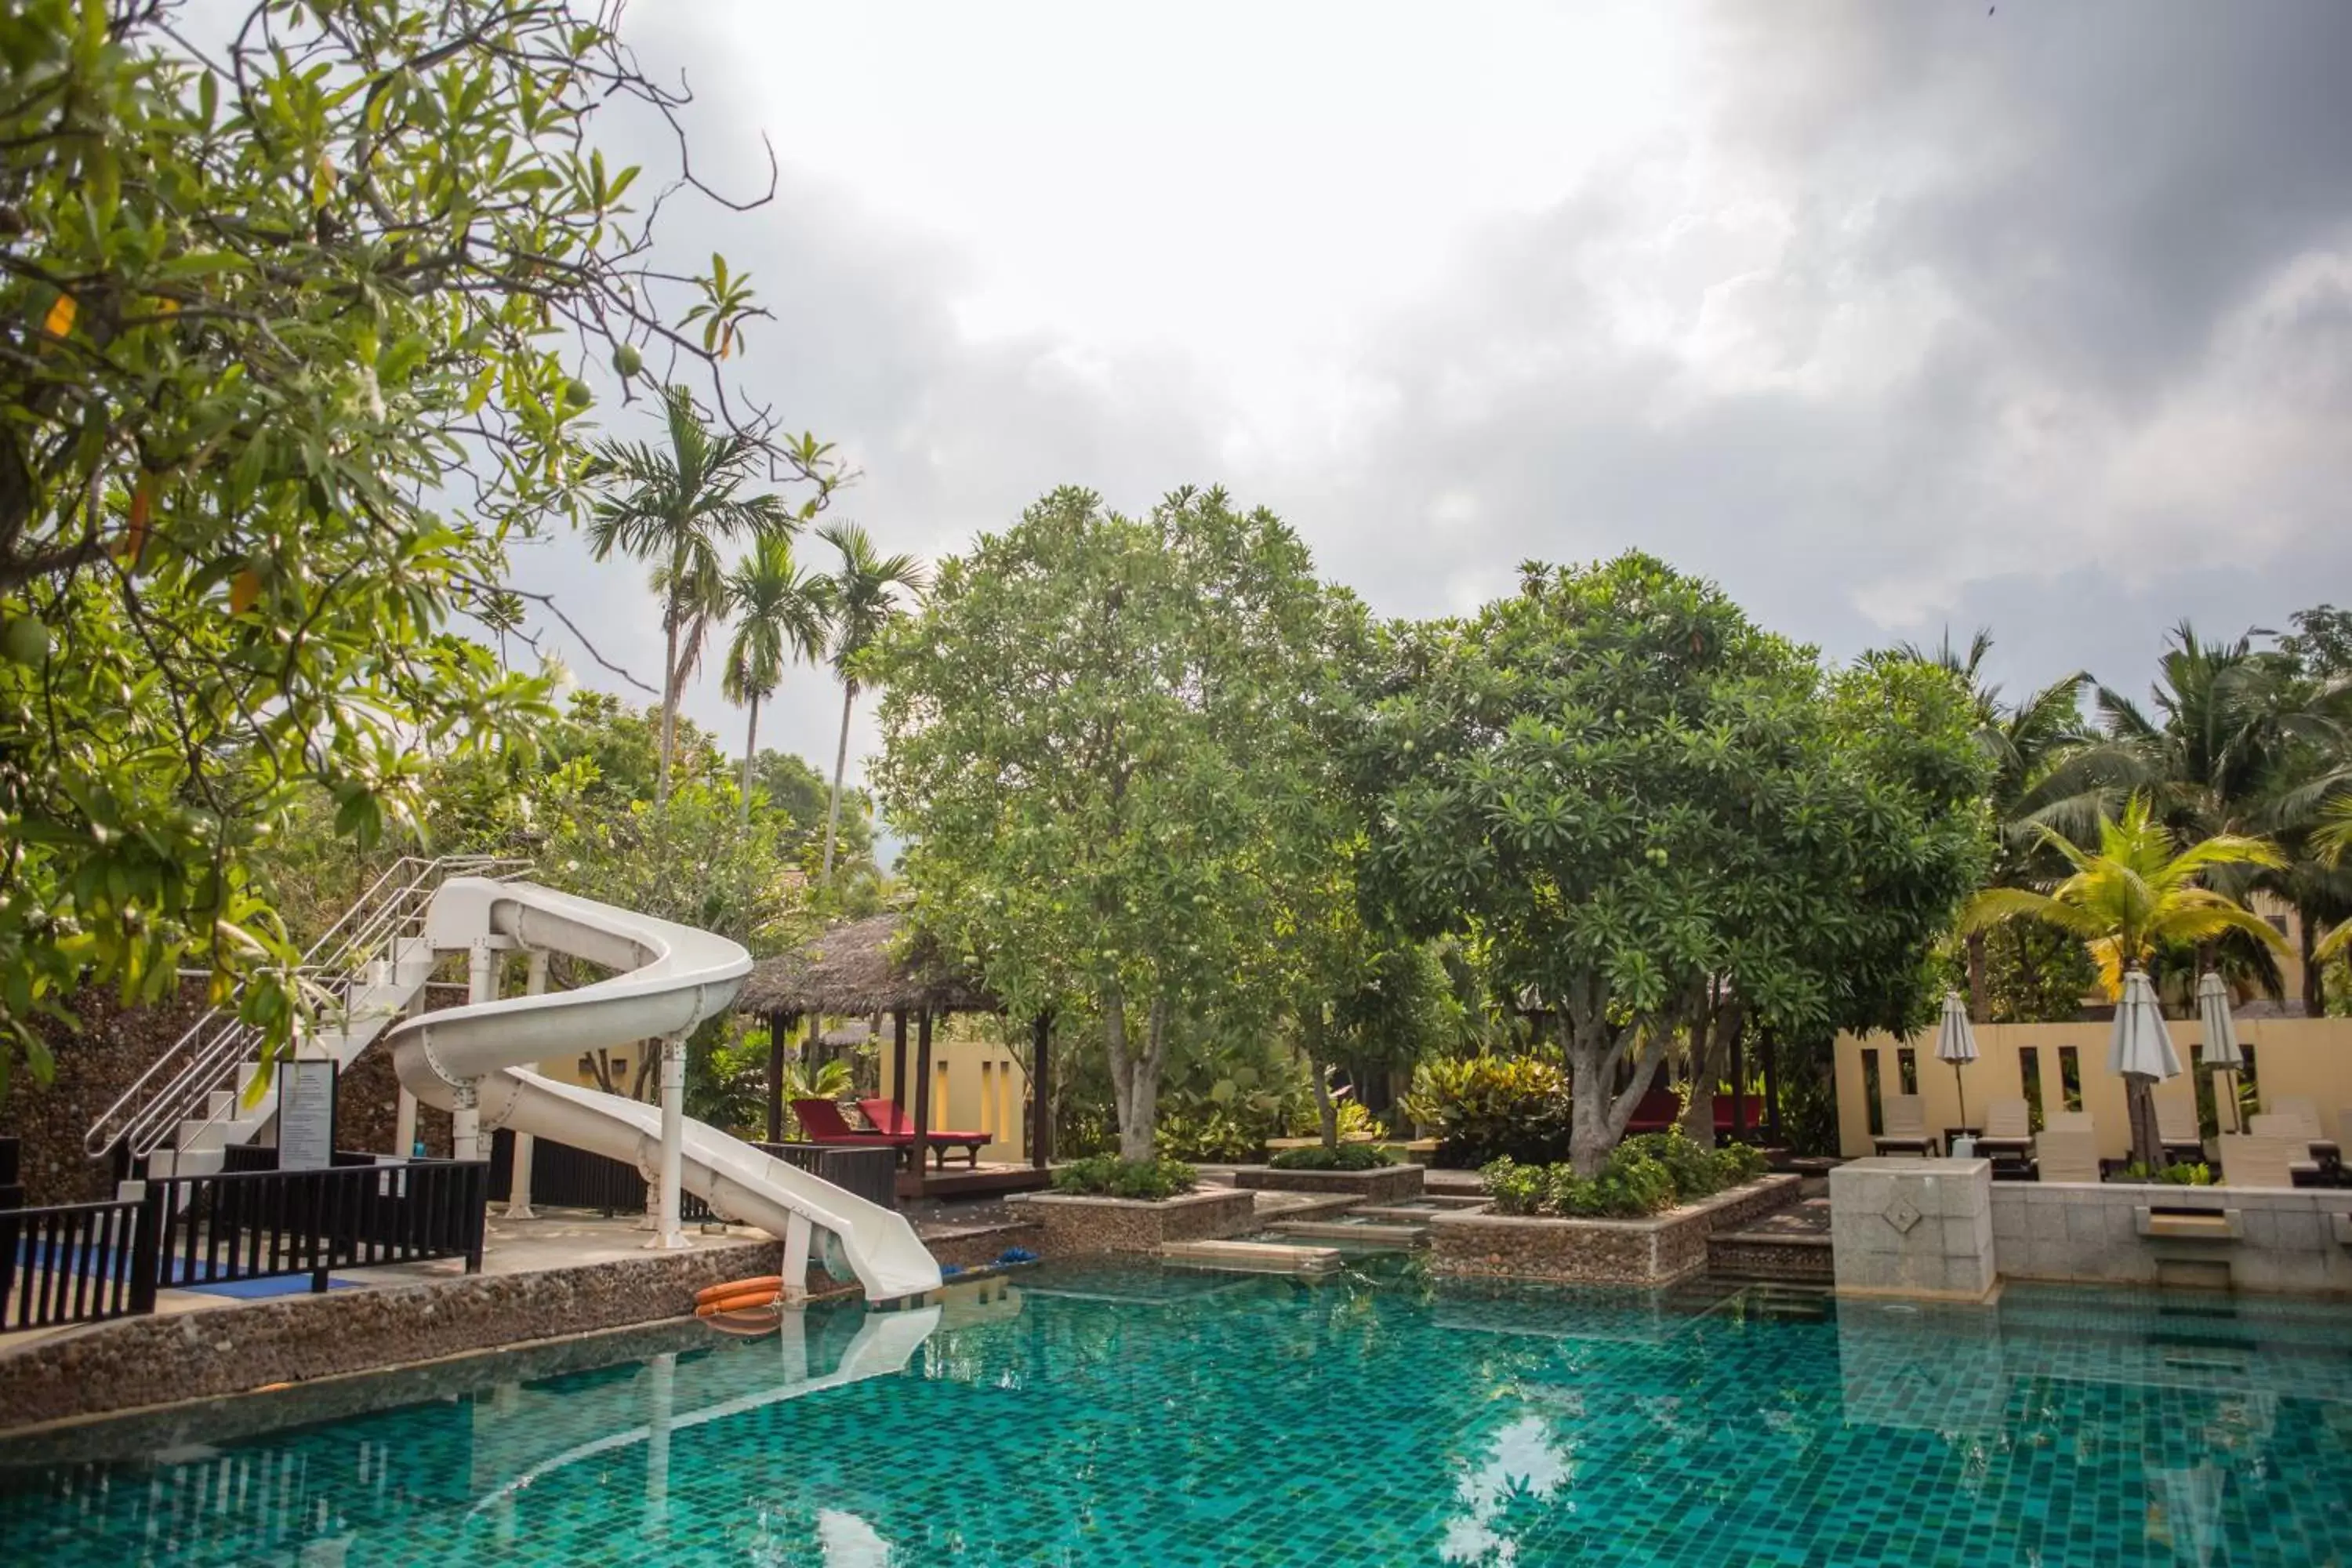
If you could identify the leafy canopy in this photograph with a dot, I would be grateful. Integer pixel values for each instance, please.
(292, 333)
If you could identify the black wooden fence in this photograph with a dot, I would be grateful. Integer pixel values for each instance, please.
(564, 1177)
(86, 1262)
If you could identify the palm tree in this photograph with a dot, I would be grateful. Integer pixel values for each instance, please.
(2137, 893)
(866, 590)
(2024, 742)
(677, 508)
(783, 615)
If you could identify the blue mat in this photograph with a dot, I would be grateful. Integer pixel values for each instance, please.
(256, 1290)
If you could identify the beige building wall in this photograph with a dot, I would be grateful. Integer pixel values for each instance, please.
(976, 1086)
(2306, 1058)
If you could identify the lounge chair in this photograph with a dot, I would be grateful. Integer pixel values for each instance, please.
(2288, 1132)
(896, 1124)
(2176, 1129)
(2302, 1114)
(1906, 1127)
(2008, 1129)
(822, 1122)
(2066, 1154)
(2067, 1121)
(2257, 1159)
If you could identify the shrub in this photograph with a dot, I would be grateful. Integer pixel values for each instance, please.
(1642, 1176)
(1517, 1189)
(1346, 1157)
(1108, 1176)
(1486, 1108)
(2181, 1175)
(1214, 1134)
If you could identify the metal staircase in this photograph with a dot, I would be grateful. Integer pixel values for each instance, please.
(209, 1090)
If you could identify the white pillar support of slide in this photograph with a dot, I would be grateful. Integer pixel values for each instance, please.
(519, 1179)
(668, 1235)
(466, 1116)
(798, 1234)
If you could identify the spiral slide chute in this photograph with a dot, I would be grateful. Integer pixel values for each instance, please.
(671, 977)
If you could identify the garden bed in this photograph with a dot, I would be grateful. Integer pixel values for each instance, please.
(1658, 1250)
(1075, 1224)
(1379, 1184)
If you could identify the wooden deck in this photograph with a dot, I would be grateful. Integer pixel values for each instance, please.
(957, 1182)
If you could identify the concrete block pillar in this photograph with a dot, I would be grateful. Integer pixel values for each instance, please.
(1913, 1227)
(668, 1235)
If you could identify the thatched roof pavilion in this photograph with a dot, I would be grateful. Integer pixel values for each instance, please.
(876, 965)
(856, 971)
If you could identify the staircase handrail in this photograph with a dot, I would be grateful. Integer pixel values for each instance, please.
(211, 1047)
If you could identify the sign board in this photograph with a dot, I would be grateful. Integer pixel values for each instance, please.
(306, 1115)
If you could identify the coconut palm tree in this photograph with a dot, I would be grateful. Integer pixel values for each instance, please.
(2025, 742)
(782, 615)
(2137, 893)
(677, 508)
(869, 592)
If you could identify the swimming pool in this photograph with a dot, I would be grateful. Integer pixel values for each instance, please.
(1089, 1413)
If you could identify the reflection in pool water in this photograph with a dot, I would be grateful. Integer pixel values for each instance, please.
(1085, 1414)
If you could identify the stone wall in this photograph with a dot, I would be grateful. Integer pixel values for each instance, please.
(113, 1044)
(1656, 1251)
(2253, 1239)
(134, 1361)
(1075, 1224)
(1381, 1184)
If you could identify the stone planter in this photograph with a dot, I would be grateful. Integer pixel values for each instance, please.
(1659, 1250)
(1380, 1185)
(1075, 1224)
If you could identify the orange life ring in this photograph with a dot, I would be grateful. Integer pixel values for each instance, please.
(772, 1283)
(761, 1297)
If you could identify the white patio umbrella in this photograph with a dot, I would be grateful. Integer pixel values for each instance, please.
(2222, 1053)
(2141, 1048)
(1957, 1043)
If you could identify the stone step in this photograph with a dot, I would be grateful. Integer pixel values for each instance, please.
(1363, 1235)
(1791, 1245)
(1252, 1257)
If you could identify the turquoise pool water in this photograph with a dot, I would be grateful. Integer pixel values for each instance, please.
(1083, 1414)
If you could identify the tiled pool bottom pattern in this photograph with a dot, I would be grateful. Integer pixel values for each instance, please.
(1127, 1416)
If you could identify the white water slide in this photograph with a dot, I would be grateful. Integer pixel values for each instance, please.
(671, 977)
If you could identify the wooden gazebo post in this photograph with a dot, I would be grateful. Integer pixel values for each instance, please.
(898, 1055)
(922, 1095)
(779, 1025)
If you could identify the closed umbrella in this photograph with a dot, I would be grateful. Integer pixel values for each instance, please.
(1957, 1043)
(2222, 1053)
(2141, 1050)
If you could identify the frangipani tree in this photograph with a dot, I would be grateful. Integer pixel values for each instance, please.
(1640, 804)
(1101, 742)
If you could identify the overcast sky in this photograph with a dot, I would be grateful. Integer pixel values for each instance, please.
(1886, 317)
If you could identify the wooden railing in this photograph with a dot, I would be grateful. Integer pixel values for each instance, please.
(75, 1263)
(260, 1225)
(80, 1263)
(564, 1177)
(869, 1174)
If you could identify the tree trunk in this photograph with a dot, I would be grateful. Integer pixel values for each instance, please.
(1712, 1029)
(1597, 1114)
(2147, 1144)
(669, 709)
(751, 749)
(2315, 980)
(1979, 987)
(1134, 1077)
(840, 766)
